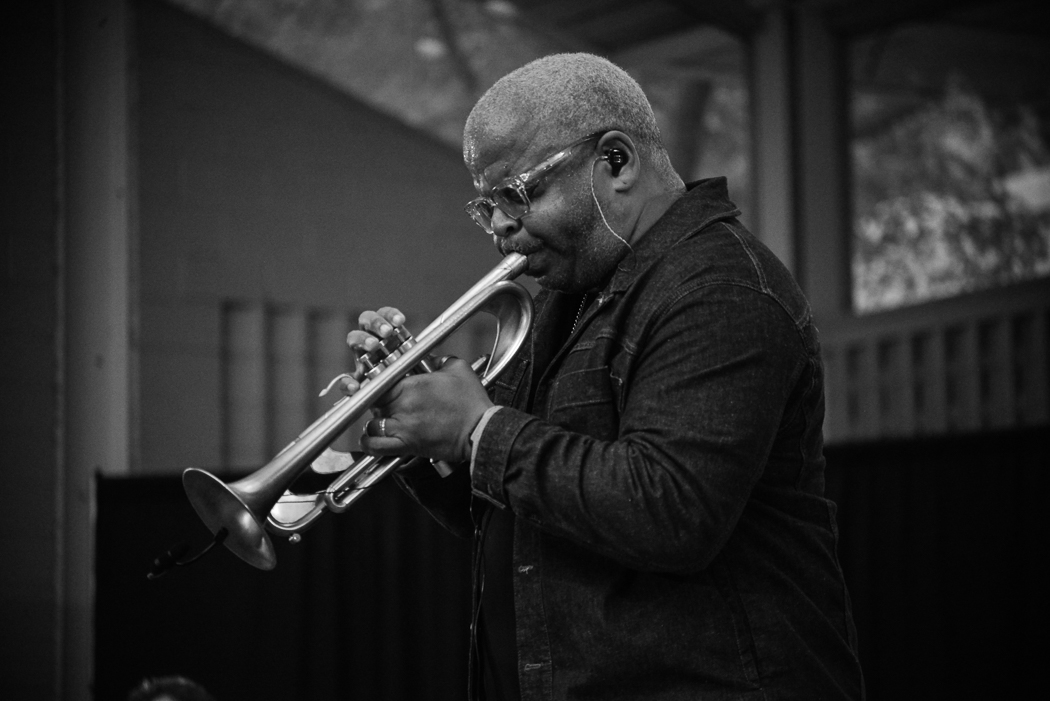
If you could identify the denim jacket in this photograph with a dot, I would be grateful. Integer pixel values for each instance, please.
(671, 537)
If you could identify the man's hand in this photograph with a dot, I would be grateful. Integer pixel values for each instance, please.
(373, 327)
(430, 415)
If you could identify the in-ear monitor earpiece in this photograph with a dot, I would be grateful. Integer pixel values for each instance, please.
(617, 159)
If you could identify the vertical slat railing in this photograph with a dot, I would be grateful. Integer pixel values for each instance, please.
(276, 359)
(288, 353)
(960, 368)
(329, 357)
(245, 387)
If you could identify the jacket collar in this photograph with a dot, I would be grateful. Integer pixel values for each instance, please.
(704, 202)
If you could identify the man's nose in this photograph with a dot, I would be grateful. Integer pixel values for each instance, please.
(504, 225)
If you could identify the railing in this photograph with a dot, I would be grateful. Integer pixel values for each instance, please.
(962, 365)
(275, 360)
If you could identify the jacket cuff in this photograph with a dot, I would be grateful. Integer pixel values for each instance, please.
(475, 435)
(492, 453)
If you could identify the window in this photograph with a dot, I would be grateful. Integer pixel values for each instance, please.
(950, 158)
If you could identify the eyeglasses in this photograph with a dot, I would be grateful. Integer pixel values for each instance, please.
(511, 195)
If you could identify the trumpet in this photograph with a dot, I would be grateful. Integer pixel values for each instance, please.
(240, 513)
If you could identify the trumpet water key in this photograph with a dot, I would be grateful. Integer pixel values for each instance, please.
(246, 509)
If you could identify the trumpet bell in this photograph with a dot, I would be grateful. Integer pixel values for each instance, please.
(223, 506)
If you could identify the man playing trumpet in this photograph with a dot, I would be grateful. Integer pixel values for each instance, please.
(645, 482)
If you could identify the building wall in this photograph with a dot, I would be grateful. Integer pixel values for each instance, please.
(265, 195)
(251, 185)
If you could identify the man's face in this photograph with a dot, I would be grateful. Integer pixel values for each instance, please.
(562, 235)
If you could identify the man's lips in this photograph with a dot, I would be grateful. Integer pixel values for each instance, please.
(537, 253)
(527, 252)
(533, 256)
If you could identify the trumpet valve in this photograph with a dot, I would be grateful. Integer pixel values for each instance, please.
(389, 350)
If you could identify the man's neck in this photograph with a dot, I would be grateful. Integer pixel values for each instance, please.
(654, 207)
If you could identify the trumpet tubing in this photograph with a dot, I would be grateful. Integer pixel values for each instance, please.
(259, 502)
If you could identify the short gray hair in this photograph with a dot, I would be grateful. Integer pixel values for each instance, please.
(571, 95)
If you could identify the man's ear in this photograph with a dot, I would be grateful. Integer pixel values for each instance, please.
(621, 158)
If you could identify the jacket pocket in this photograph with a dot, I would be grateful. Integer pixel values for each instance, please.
(504, 389)
(583, 401)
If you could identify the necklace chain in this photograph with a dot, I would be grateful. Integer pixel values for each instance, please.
(579, 312)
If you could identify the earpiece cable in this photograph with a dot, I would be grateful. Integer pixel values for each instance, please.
(600, 212)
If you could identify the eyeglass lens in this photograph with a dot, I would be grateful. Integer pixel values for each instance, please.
(511, 199)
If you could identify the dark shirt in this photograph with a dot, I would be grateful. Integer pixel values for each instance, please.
(497, 651)
(671, 539)
(498, 656)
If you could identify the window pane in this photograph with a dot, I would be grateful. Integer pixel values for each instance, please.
(950, 161)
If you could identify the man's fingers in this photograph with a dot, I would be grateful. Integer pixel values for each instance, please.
(380, 438)
(349, 385)
(362, 340)
(374, 326)
(383, 446)
(380, 322)
(392, 315)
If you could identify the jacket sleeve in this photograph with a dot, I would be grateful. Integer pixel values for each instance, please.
(700, 408)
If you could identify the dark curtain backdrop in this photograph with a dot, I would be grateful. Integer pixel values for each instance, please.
(942, 543)
(372, 604)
